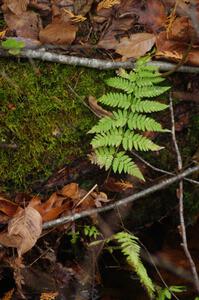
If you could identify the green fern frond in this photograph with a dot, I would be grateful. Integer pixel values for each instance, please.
(121, 83)
(138, 142)
(119, 131)
(144, 123)
(110, 138)
(123, 163)
(150, 91)
(116, 100)
(131, 250)
(147, 106)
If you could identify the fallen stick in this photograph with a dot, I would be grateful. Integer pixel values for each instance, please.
(101, 64)
(132, 198)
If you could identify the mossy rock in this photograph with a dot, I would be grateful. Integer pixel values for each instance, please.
(43, 113)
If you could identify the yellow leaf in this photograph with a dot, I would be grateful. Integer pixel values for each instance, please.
(107, 4)
(75, 18)
(48, 296)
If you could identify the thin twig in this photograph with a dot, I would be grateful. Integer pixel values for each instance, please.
(101, 64)
(181, 202)
(157, 187)
(160, 170)
(89, 192)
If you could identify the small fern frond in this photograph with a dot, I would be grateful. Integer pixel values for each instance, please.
(119, 130)
(103, 157)
(144, 123)
(147, 106)
(123, 163)
(138, 142)
(122, 84)
(110, 138)
(131, 250)
(150, 91)
(116, 100)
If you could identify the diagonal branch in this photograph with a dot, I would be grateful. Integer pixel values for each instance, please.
(132, 198)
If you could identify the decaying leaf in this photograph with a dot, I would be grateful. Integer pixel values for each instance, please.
(174, 50)
(137, 45)
(50, 209)
(97, 109)
(23, 230)
(27, 25)
(17, 7)
(182, 30)
(48, 296)
(58, 32)
(8, 207)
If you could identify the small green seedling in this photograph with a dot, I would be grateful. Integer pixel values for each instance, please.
(13, 46)
(91, 231)
(166, 293)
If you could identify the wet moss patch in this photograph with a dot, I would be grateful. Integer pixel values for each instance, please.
(42, 112)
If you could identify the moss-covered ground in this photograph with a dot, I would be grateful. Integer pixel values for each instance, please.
(43, 114)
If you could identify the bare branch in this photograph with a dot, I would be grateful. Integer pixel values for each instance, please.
(132, 198)
(44, 55)
(181, 202)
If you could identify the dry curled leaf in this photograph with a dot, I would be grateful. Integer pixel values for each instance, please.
(137, 45)
(23, 230)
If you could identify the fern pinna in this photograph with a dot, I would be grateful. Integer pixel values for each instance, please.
(122, 132)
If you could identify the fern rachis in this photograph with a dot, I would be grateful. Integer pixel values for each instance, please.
(122, 132)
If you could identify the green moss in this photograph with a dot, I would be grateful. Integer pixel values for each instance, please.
(43, 116)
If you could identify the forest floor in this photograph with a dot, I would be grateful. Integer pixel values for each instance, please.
(45, 117)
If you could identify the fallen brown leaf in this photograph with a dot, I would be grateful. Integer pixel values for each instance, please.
(135, 46)
(182, 30)
(23, 230)
(70, 190)
(17, 7)
(174, 50)
(26, 25)
(58, 32)
(8, 207)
